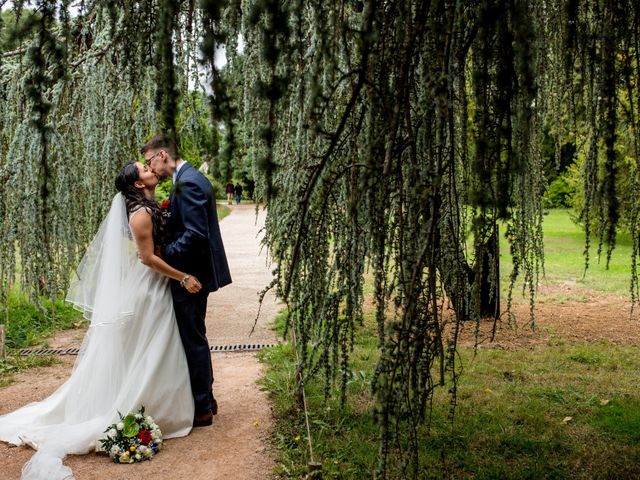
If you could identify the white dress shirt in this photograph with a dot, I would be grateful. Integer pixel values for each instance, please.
(179, 164)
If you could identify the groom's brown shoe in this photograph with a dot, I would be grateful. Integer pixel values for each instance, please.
(203, 419)
(214, 406)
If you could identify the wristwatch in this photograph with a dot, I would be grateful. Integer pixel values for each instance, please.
(184, 279)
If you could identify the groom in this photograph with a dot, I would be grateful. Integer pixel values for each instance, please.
(195, 247)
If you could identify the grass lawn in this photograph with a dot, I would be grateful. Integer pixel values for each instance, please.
(223, 211)
(564, 246)
(558, 410)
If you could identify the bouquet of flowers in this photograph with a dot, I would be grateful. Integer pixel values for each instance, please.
(135, 438)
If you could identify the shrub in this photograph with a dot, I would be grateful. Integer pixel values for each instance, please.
(559, 194)
(27, 324)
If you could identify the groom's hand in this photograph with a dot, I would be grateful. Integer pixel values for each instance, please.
(192, 285)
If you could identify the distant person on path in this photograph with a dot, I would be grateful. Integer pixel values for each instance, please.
(251, 187)
(230, 192)
(238, 191)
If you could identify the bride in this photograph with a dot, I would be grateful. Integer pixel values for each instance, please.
(131, 354)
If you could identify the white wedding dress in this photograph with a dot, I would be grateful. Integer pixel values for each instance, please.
(132, 355)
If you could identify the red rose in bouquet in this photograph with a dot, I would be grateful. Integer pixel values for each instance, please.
(145, 436)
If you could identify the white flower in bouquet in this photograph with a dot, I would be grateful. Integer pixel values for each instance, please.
(148, 420)
(112, 433)
(120, 426)
(115, 451)
(138, 416)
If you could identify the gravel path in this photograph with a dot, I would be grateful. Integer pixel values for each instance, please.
(236, 446)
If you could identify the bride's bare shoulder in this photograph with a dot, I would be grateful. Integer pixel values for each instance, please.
(140, 220)
(138, 210)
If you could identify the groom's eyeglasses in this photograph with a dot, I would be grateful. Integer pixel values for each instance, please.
(147, 161)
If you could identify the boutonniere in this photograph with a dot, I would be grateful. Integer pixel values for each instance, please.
(165, 209)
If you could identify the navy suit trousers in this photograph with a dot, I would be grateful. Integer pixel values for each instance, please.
(190, 316)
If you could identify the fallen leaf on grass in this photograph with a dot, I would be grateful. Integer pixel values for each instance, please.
(604, 401)
(566, 420)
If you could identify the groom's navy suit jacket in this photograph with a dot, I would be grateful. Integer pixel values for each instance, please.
(195, 245)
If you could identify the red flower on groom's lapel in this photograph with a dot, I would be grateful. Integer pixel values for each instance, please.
(166, 204)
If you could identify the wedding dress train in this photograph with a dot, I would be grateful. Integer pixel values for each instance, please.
(132, 355)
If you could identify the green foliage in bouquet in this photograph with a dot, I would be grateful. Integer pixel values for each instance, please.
(131, 427)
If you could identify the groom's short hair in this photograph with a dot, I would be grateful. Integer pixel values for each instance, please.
(162, 141)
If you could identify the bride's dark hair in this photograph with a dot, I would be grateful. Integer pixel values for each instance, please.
(135, 199)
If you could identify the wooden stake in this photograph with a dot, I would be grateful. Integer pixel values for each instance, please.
(2, 339)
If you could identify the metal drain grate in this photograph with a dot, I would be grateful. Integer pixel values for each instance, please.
(241, 347)
(49, 351)
(244, 347)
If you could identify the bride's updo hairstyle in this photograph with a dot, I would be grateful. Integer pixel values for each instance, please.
(135, 199)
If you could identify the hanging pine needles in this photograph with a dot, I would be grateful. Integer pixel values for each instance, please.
(405, 127)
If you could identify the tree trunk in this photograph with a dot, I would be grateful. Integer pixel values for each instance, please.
(489, 256)
(487, 261)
